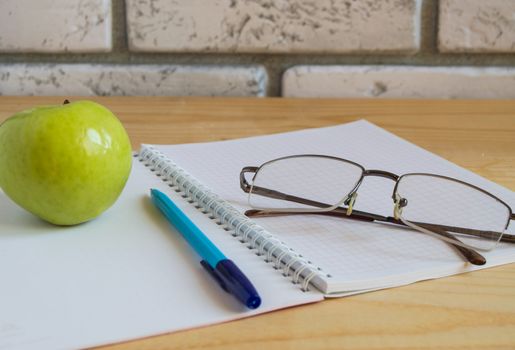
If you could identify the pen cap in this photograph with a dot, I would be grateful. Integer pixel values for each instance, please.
(237, 283)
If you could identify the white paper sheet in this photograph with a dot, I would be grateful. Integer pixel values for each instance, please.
(125, 275)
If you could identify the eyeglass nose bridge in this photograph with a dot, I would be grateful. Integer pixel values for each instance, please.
(398, 201)
(381, 173)
(351, 197)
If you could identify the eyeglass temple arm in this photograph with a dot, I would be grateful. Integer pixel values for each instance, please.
(471, 255)
(365, 216)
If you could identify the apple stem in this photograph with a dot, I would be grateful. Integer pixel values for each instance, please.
(65, 102)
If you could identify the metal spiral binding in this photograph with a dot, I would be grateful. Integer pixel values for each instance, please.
(256, 237)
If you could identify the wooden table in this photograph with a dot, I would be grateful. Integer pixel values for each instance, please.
(474, 310)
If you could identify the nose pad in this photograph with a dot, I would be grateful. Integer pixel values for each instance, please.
(399, 204)
(350, 203)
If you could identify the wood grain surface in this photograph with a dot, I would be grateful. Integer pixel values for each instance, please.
(468, 311)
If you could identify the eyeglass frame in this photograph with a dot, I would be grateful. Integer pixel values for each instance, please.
(336, 210)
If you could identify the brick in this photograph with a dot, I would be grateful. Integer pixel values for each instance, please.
(476, 26)
(399, 82)
(55, 25)
(266, 26)
(149, 80)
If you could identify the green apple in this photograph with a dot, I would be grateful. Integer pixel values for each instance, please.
(67, 163)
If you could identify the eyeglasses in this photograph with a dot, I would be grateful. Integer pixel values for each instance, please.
(463, 215)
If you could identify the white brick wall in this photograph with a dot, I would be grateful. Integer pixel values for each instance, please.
(291, 26)
(247, 48)
(87, 79)
(55, 25)
(477, 26)
(399, 82)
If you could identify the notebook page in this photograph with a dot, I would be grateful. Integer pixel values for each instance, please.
(125, 275)
(353, 255)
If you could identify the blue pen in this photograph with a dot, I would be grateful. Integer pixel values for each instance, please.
(224, 271)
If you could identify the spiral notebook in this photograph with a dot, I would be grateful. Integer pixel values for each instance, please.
(335, 256)
(127, 274)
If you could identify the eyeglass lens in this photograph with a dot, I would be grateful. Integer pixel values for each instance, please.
(324, 180)
(473, 216)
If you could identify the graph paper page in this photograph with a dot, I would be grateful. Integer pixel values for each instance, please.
(352, 255)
